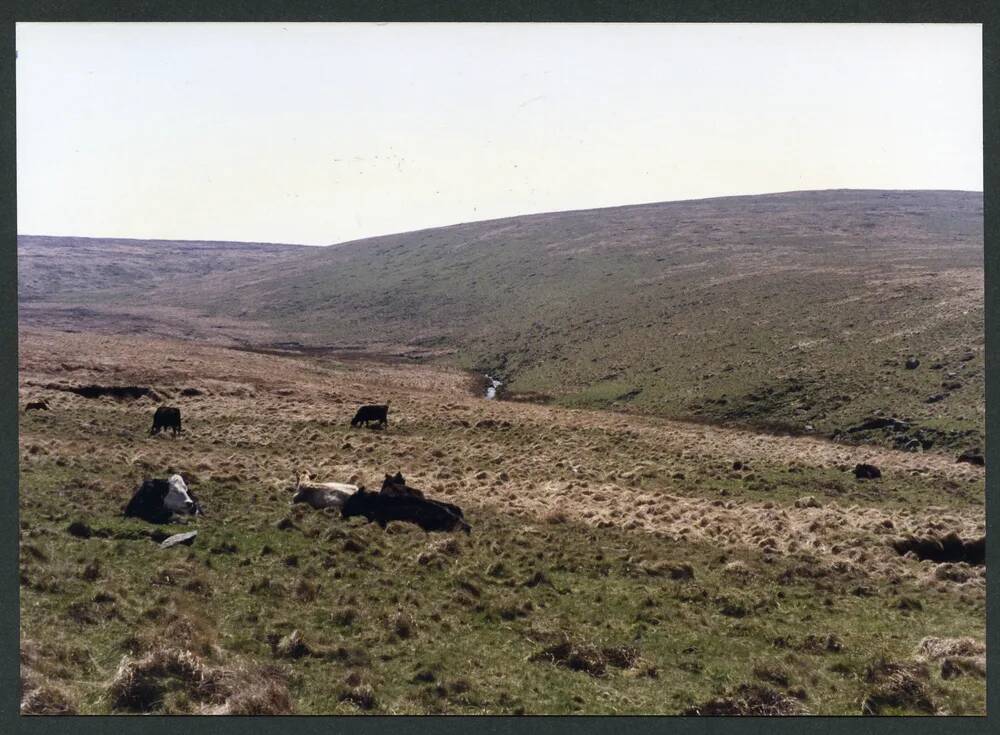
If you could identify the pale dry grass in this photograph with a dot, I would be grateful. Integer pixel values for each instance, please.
(274, 415)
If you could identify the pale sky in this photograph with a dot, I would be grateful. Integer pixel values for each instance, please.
(321, 133)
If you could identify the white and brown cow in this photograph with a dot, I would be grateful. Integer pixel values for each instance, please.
(321, 494)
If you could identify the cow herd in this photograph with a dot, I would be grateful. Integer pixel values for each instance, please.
(163, 501)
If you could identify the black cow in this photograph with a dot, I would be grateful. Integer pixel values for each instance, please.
(36, 406)
(166, 417)
(430, 515)
(867, 472)
(972, 456)
(378, 414)
(396, 486)
(157, 500)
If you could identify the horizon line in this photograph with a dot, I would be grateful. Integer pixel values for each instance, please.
(492, 219)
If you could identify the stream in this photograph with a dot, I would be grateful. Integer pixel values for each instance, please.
(491, 388)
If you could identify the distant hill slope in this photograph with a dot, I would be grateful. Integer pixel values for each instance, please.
(791, 310)
(70, 267)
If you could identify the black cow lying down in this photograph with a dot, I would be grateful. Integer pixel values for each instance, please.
(396, 486)
(157, 500)
(377, 414)
(396, 502)
(37, 406)
(166, 417)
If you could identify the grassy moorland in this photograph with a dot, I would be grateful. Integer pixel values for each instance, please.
(617, 564)
(794, 311)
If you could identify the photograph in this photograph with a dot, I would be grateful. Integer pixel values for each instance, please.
(488, 368)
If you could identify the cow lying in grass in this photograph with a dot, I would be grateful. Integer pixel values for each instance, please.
(322, 494)
(37, 406)
(396, 485)
(397, 502)
(157, 501)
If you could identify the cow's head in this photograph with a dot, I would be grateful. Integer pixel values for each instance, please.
(302, 494)
(177, 498)
(394, 481)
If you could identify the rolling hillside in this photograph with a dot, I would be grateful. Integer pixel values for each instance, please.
(50, 268)
(795, 311)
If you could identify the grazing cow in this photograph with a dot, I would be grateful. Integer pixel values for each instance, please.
(430, 515)
(157, 501)
(322, 494)
(867, 472)
(166, 417)
(36, 406)
(377, 414)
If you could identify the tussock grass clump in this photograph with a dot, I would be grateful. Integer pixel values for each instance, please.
(42, 698)
(264, 694)
(738, 569)
(623, 657)
(291, 646)
(358, 692)
(574, 656)
(306, 591)
(772, 674)
(403, 624)
(145, 685)
(448, 546)
(38, 695)
(177, 622)
(938, 648)
(589, 659)
(958, 656)
(141, 684)
(556, 517)
(752, 700)
(896, 685)
(46, 700)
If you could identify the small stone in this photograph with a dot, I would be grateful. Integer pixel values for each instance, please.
(179, 538)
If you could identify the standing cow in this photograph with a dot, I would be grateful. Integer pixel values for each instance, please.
(377, 414)
(166, 417)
